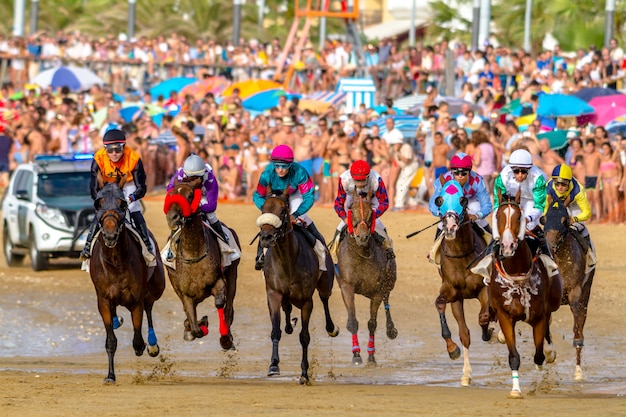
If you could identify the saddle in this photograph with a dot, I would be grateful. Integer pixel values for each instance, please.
(306, 233)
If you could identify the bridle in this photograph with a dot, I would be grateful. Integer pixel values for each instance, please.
(283, 230)
(460, 223)
(372, 226)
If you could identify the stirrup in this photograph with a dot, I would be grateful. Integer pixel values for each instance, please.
(85, 254)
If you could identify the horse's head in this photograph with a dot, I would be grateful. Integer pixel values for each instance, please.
(556, 223)
(182, 202)
(111, 212)
(274, 220)
(361, 217)
(509, 223)
(452, 207)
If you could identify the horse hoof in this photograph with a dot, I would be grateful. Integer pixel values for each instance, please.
(188, 336)
(550, 356)
(153, 350)
(288, 328)
(455, 354)
(392, 333)
(109, 381)
(516, 395)
(466, 381)
(501, 337)
(304, 380)
(578, 374)
(294, 321)
(357, 360)
(274, 370)
(335, 332)
(487, 334)
(226, 342)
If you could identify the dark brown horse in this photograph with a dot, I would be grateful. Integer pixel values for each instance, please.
(521, 288)
(365, 269)
(292, 274)
(120, 274)
(569, 255)
(198, 262)
(460, 246)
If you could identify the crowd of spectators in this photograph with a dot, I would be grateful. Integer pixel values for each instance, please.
(238, 145)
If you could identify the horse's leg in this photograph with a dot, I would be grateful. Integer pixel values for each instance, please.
(325, 289)
(352, 324)
(305, 339)
(192, 328)
(371, 326)
(274, 301)
(392, 332)
(453, 350)
(289, 322)
(464, 335)
(153, 347)
(219, 293)
(484, 314)
(231, 290)
(579, 311)
(117, 320)
(507, 326)
(548, 349)
(137, 315)
(105, 309)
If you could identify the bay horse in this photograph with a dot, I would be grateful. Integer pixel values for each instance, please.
(120, 274)
(291, 274)
(521, 287)
(198, 273)
(568, 255)
(365, 269)
(460, 246)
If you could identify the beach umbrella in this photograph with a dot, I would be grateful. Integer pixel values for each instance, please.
(511, 106)
(267, 99)
(202, 87)
(314, 106)
(75, 78)
(557, 138)
(590, 93)
(617, 125)
(251, 87)
(561, 105)
(607, 108)
(166, 87)
(525, 120)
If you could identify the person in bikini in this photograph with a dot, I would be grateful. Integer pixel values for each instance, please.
(610, 177)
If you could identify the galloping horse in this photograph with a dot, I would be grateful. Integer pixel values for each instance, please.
(120, 274)
(459, 247)
(292, 274)
(365, 269)
(198, 273)
(521, 287)
(568, 254)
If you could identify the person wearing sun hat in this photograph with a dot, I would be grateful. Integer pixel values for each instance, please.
(113, 163)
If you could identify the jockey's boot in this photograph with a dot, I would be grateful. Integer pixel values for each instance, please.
(260, 258)
(437, 233)
(311, 228)
(487, 228)
(543, 244)
(142, 228)
(218, 227)
(93, 228)
(380, 239)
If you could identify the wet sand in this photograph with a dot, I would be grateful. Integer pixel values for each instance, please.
(52, 357)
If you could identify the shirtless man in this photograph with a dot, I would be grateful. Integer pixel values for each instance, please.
(440, 152)
(30, 138)
(549, 158)
(303, 148)
(592, 161)
(284, 136)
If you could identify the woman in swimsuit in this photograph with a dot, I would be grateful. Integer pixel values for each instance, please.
(610, 179)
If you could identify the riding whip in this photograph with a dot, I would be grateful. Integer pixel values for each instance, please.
(255, 237)
(410, 235)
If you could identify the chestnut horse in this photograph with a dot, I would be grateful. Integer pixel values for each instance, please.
(365, 269)
(292, 274)
(521, 287)
(120, 274)
(568, 254)
(198, 262)
(460, 245)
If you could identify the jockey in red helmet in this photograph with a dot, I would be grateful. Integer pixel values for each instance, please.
(363, 179)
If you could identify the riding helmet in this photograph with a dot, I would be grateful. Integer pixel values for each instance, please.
(359, 170)
(114, 136)
(521, 158)
(461, 161)
(194, 166)
(562, 171)
(282, 153)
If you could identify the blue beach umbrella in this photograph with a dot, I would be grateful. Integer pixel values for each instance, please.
(75, 78)
(173, 84)
(267, 99)
(561, 105)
